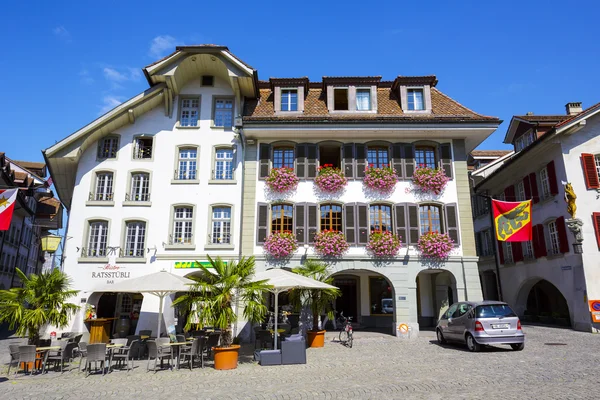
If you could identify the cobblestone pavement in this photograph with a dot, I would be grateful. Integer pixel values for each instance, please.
(376, 367)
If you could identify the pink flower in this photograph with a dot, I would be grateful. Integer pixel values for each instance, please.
(330, 243)
(282, 180)
(280, 244)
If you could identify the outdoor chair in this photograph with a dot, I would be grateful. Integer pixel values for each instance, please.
(212, 340)
(118, 350)
(139, 349)
(190, 352)
(26, 355)
(156, 352)
(126, 354)
(146, 333)
(180, 339)
(14, 356)
(75, 339)
(56, 342)
(264, 339)
(65, 355)
(82, 352)
(96, 353)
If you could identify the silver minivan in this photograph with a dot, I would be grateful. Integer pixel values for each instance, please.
(481, 323)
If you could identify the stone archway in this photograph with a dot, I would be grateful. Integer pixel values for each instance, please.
(436, 291)
(541, 301)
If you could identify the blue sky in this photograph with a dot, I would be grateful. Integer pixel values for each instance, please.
(65, 63)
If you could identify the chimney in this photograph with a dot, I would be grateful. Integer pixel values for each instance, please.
(530, 113)
(573, 108)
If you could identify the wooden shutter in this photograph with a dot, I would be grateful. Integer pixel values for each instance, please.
(552, 178)
(534, 188)
(446, 158)
(588, 162)
(299, 222)
(500, 251)
(362, 218)
(264, 158)
(348, 155)
(409, 160)
(596, 222)
(311, 161)
(400, 220)
(312, 221)
(413, 223)
(397, 159)
(563, 240)
(262, 223)
(301, 160)
(541, 241)
(509, 193)
(527, 188)
(360, 151)
(452, 222)
(350, 222)
(517, 250)
(478, 244)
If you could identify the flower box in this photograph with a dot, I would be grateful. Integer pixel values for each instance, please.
(280, 244)
(330, 243)
(330, 179)
(435, 245)
(431, 180)
(381, 179)
(383, 244)
(282, 180)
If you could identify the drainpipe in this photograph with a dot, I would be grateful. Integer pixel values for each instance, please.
(242, 139)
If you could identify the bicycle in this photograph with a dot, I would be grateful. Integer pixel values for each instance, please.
(346, 332)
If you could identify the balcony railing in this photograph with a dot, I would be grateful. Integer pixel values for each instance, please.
(142, 152)
(137, 196)
(180, 240)
(185, 175)
(224, 239)
(100, 196)
(93, 253)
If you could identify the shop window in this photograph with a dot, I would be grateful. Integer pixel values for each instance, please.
(330, 155)
(380, 296)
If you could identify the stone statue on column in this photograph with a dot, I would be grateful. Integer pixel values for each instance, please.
(574, 224)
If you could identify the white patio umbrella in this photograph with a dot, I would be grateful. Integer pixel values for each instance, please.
(282, 280)
(159, 284)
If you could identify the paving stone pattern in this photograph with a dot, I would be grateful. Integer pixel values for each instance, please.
(377, 367)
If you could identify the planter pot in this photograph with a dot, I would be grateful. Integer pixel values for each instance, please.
(316, 338)
(226, 357)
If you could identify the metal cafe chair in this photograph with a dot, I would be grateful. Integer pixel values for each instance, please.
(65, 355)
(96, 353)
(157, 352)
(14, 356)
(27, 355)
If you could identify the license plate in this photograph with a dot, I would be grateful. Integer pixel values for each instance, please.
(501, 326)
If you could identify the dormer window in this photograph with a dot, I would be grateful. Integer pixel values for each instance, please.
(340, 99)
(363, 99)
(524, 140)
(415, 99)
(289, 99)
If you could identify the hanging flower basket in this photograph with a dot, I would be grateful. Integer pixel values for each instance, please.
(435, 245)
(383, 244)
(330, 243)
(381, 179)
(428, 179)
(280, 244)
(330, 179)
(282, 180)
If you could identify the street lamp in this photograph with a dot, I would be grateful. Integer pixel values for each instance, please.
(50, 243)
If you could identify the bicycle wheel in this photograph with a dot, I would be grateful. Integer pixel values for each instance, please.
(343, 336)
(349, 343)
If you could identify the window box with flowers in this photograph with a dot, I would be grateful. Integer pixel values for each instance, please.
(280, 244)
(382, 179)
(435, 245)
(431, 180)
(330, 179)
(383, 244)
(282, 180)
(329, 243)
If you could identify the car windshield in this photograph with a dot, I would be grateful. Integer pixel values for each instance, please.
(494, 311)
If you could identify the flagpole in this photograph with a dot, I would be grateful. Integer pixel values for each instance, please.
(494, 246)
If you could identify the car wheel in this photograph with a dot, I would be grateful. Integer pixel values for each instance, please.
(440, 337)
(518, 346)
(472, 345)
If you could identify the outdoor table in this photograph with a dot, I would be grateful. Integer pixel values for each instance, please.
(178, 347)
(144, 337)
(44, 350)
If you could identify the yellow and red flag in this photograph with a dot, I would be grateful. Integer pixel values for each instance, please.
(512, 220)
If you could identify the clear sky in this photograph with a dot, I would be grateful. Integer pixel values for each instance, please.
(62, 64)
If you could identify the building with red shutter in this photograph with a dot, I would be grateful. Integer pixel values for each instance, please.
(550, 278)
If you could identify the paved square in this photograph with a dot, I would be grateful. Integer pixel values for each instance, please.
(378, 367)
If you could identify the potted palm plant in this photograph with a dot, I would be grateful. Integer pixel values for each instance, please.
(216, 290)
(319, 301)
(41, 301)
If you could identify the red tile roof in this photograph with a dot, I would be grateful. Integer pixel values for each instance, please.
(572, 117)
(490, 153)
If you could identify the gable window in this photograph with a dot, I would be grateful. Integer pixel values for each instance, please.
(520, 191)
(135, 239)
(107, 147)
(544, 183)
(430, 218)
(282, 218)
(208, 80)
(554, 247)
(415, 99)
(223, 113)
(363, 99)
(186, 166)
(425, 157)
(223, 164)
(140, 187)
(283, 157)
(289, 100)
(380, 217)
(340, 99)
(142, 148)
(221, 225)
(190, 112)
(377, 157)
(331, 217)
(97, 239)
(104, 187)
(182, 225)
